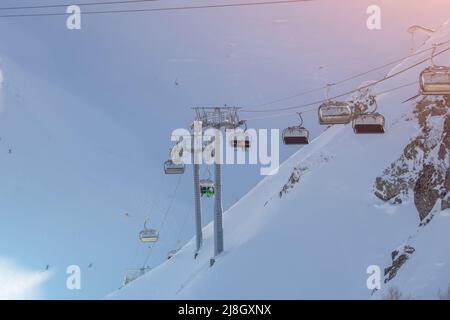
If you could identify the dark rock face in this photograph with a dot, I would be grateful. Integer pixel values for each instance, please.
(293, 180)
(398, 260)
(424, 166)
(302, 169)
(425, 193)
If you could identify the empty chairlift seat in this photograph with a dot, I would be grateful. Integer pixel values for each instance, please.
(134, 274)
(369, 123)
(335, 112)
(173, 168)
(148, 235)
(295, 136)
(435, 81)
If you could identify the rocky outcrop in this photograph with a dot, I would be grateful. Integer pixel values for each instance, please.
(423, 169)
(309, 165)
(293, 180)
(399, 258)
(426, 192)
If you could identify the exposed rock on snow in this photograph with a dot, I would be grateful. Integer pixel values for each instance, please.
(424, 166)
(293, 180)
(300, 170)
(398, 260)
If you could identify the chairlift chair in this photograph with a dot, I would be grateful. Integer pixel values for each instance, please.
(207, 188)
(297, 135)
(134, 274)
(241, 141)
(148, 235)
(335, 112)
(130, 276)
(435, 80)
(367, 123)
(171, 167)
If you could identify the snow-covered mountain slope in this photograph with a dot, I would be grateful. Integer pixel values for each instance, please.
(312, 230)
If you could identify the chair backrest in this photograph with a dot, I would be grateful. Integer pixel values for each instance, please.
(295, 136)
(369, 123)
(435, 81)
(335, 113)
